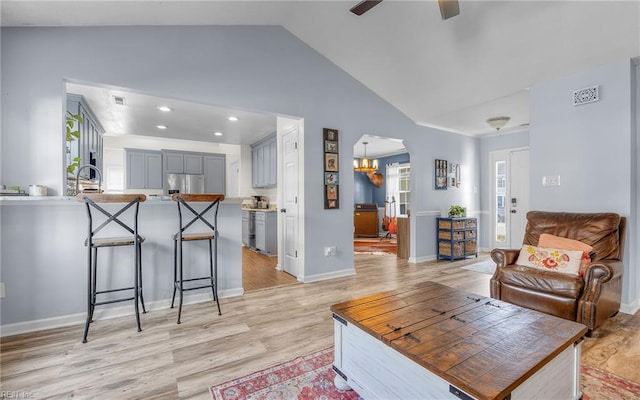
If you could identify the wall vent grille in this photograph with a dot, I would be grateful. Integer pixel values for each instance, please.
(119, 100)
(586, 96)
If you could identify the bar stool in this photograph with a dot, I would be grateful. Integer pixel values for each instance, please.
(113, 220)
(210, 233)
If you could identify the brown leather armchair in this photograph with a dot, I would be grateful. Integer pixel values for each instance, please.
(588, 299)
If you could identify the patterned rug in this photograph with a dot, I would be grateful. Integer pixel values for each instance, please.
(601, 385)
(374, 247)
(306, 378)
(311, 378)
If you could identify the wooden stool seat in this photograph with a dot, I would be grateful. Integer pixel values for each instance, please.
(115, 241)
(194, 236)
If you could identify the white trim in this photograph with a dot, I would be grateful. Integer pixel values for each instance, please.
(328, 275)
(426, 213)
(105, 313)
(422, 259)
(630, 309)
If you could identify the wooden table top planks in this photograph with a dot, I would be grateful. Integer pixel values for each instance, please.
(483, 346)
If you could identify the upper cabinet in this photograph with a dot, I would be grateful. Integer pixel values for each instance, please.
(264, 162)
(144, 169)
(89, 145)
(177, 162)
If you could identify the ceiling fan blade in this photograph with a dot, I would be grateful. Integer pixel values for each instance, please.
(364, 6)
(449, 8)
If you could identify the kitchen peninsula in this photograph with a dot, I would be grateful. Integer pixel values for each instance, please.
(44, 260)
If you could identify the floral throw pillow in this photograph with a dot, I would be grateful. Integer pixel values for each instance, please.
(565, 261)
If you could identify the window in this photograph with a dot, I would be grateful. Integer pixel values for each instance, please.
(501, 184)
(399, 188)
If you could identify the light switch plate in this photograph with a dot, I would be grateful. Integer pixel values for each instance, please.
(551, 180)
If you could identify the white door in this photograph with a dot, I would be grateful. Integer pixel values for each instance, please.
(289, 208)
(509, 197)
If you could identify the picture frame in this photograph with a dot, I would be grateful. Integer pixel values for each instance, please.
(441, 181)
(331, 162)
(330, 146)
(331, 178)
(331, 134)
(332, 192)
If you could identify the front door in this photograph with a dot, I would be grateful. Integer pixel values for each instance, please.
(509, 197)
(289, 208)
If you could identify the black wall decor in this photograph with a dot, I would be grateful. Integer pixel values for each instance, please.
(331, 169)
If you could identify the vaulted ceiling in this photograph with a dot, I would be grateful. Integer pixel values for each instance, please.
(451, 74)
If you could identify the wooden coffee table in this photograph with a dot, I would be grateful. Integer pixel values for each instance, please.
(430, 341)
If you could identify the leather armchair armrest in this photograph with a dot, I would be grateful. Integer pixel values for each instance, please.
(504, 257)
(602, 271)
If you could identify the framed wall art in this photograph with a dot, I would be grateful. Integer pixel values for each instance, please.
(331, 176)
(441, 175)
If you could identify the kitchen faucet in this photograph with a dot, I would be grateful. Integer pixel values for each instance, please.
(93, 167)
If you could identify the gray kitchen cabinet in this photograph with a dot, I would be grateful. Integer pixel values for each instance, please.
(264, 162)
(193, 164)
(180, 162)
(89, 146)
(214, 173)
(144, 169)
(266, 231)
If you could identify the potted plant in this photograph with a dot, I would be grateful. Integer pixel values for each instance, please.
(456, 211)
(73, 133)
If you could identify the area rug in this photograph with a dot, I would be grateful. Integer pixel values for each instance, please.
(484, 267)
(375, 247)
(310, 377)
(306, 378)
(597, 384)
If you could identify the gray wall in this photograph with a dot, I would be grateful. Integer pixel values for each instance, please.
(593, 147)
(253, 68)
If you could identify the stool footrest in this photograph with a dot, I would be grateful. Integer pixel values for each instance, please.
(115, 290)
(113, 301)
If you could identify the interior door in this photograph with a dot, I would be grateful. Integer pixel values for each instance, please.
(289, 209)
(509, 196)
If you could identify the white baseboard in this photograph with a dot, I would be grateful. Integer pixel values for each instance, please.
(630, 309)
(418, 260)
(106, 313)
(328, 275)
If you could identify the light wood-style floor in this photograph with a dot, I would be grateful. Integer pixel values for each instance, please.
(259, 329)
(259, 272)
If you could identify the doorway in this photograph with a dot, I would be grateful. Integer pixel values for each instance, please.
(382, 195)
(509, 196)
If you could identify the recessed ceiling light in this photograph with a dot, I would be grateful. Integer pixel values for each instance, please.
(161, 126)
(164, 108)
(217, 133)
(232, 118)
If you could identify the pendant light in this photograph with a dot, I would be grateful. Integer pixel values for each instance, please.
(365, 165)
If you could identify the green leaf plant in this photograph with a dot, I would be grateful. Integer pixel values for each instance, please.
(73, 133)
(457, 211)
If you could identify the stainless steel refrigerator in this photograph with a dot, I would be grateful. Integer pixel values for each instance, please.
(183, 183)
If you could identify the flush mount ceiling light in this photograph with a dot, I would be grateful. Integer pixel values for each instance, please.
(233, 119)
(164, 108)
(217, 133)
(498, 122)
(365, 164)
(161, 126)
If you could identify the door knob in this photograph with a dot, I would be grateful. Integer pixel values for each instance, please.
(513, 211)
(283, 210)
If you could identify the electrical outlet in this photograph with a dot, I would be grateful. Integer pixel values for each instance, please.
(330, 251)
(551, 180)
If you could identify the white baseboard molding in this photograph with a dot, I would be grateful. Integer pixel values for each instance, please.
(418, 260)
(107, 313)
(329, 275)
(630, 309)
